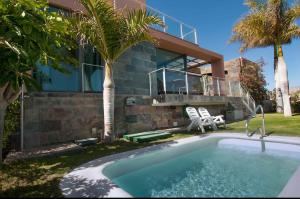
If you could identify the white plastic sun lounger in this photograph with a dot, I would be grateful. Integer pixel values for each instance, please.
(217, 120)
(196, 120)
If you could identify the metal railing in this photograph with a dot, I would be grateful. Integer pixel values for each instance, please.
(170, 81)
(236, 89)
(172, 26)
(262, 129)
(248, 100)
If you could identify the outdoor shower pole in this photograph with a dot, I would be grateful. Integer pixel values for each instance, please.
(22, 118)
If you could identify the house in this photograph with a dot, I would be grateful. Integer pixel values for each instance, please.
(153, 85)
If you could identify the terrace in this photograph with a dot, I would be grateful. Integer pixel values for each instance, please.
(170, 87)
(178, 80)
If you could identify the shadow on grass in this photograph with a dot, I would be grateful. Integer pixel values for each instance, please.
(49, 189)
(270, 133)
(40, 177)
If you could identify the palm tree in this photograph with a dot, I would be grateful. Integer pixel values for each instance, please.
(112, 33)
(270, 23)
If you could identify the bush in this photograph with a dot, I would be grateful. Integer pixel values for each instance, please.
(296, 107)
(11, 124)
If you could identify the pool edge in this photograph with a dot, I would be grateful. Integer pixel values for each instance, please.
(291, 189)
(82, 183)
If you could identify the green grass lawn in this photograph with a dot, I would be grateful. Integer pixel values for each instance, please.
(276, 124)
(39, 177)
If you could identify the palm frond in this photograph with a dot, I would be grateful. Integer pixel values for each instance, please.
(294, 12)
(112, 33)
(137, 23)
(272, 24)
(255, 5)
(96, 24)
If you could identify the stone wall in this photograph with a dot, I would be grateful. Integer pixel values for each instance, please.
(131, 70)
(52, 118)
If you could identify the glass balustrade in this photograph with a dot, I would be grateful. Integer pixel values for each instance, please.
(172, 26)
(169, 81)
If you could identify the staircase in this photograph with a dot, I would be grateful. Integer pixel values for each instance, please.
(247, 100)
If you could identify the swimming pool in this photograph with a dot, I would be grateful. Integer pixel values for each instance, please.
(214, 166)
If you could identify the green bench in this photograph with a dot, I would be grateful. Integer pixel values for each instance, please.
(147, 138)
(130, 137)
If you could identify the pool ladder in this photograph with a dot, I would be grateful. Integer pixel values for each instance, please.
(262, 129)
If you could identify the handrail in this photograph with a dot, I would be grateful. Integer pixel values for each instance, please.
(209, 85)
(180, 71)
(174, 19)
(182, 27)
(253, 115)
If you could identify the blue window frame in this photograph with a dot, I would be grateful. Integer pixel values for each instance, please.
(86, 77)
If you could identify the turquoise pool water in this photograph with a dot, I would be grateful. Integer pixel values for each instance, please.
(203, 169)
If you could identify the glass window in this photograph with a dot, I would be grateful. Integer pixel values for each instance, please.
(171, 60)
(72, 81)
(92, 70)
(53, 80)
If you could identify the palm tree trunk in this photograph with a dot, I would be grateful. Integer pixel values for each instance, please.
(108, 103)
(2, 116)
(279, 101)
(283, 83)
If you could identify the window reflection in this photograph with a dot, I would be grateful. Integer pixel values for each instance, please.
(92, 70)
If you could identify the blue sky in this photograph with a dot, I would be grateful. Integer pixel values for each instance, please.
(214, 20)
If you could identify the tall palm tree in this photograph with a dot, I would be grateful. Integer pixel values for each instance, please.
(270, 23)
(112, 33)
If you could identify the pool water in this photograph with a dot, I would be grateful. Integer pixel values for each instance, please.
(204, 169)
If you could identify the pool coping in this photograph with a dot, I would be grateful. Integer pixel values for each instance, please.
(82, 181)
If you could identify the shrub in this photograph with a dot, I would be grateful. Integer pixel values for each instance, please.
(11, 124)
(296, 107)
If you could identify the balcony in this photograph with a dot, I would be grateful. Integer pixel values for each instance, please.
(170, 87)
(172, 26)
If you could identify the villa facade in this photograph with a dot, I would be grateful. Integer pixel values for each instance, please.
(154, 83)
